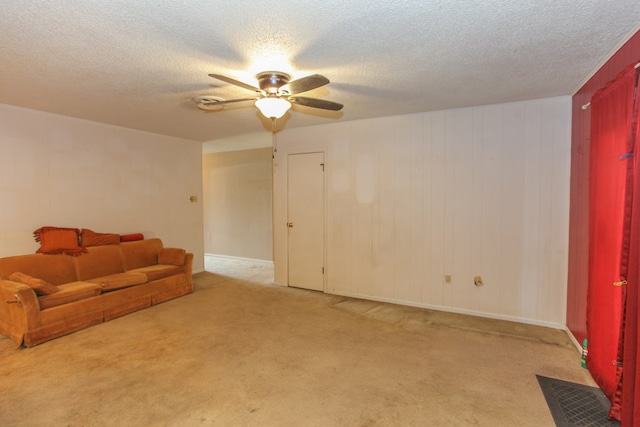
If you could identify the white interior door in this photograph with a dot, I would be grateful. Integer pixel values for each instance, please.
(305, 220)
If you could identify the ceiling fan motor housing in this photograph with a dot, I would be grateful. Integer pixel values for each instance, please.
(272, 81)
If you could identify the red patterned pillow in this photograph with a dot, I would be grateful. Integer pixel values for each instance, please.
(58, 240)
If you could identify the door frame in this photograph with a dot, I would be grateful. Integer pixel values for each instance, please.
(282, 149)
(323, 214)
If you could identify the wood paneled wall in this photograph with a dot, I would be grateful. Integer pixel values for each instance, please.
(629, 53)
(480, 191)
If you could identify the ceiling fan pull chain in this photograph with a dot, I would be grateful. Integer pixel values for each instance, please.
(273, 136)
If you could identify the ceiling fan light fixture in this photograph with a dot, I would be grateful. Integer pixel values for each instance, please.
(273, 107)
(274, 94)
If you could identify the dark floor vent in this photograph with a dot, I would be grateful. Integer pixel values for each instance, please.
(574, 404)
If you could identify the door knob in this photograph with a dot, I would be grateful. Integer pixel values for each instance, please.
(290, 224)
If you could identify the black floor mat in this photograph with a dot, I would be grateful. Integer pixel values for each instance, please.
(574, 404)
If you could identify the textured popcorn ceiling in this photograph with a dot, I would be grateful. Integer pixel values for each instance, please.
(138, 63)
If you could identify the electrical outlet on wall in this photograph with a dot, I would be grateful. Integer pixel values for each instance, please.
(478, 281)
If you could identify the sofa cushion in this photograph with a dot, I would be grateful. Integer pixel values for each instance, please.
(159, 271)
(40, 286)
(99, 261)
(69, 292)
(58, 240)
(141, 253)
(171, 256)
(119, 280)
(56, 270)
(91, 238)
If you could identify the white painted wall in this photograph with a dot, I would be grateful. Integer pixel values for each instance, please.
(61, 171)
(480, 191)
(237, 203)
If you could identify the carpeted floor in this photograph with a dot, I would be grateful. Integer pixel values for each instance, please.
(242, 352)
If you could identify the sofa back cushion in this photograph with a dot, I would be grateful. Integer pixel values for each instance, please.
(141, 253)
(55, 269)
(99, 261)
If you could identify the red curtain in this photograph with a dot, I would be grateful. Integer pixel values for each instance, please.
(628, 394)
(611, 117)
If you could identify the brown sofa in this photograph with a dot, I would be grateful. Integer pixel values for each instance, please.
(106, 282)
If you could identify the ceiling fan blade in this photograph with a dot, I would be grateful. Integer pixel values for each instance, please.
(316, 103)
(216, 105)
(306, 84)
(234, 82)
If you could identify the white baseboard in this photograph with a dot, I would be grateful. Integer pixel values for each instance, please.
(253, 260)
(534, 322)
(573, 339)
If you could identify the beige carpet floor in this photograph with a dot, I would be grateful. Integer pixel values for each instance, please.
(242, 352)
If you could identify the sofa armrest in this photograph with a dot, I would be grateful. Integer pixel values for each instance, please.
(19, 310)
(188, 267)
(178, 257)
(172, 256)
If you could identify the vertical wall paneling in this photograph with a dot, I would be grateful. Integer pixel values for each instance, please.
(416, 198)
(475, 216)
(490, 210)
(363, 176)
(338, 208)
(531, 275)
(480, 191)
(402, 212)
(560, 190)
(460, 205)
(512, 207)
(449, 195)
(386, 148)
(437, 204)
(427, 236)
(545, 211)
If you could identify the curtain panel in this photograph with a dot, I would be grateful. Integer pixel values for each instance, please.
(627, 398)
(611, 118)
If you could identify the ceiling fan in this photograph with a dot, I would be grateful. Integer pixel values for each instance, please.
(274, 94)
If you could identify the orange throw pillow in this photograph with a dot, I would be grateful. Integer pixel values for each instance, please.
(131, 237)
(58, 240)
(91, 238)
(40, 286)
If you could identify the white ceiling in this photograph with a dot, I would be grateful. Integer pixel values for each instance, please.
(138, 63)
